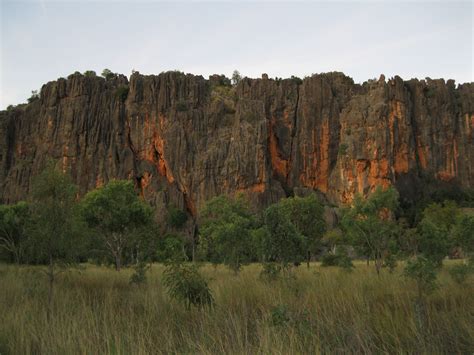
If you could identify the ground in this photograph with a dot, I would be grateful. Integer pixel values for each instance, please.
(96, 310)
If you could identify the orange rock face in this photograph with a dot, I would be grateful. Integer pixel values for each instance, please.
(184, 139)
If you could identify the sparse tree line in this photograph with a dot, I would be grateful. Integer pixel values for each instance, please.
(113, 225)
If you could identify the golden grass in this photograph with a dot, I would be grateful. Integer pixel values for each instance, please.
(328, 311)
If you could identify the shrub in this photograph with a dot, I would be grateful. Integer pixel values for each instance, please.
(270, 272)
(296, 80)
(340, 259)
(423, 271)
(390, 262)
(34, 96)
(90, 73)
(122, 93)
(176, 217)
(185, 284)
(279, 315)
(139, 276)
(342, 149)
(107, 74)
(460, 273)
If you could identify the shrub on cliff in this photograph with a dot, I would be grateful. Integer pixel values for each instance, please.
(122, 92)
(90, 73)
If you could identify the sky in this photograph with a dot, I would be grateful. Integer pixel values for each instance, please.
(43, 40)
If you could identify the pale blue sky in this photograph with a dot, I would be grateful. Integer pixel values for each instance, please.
(44, 40)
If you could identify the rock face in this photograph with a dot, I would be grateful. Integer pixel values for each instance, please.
(184, 139)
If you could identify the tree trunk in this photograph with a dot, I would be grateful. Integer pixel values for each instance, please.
(50, 274)
(308, 259)
(118, 262)
(378, 264)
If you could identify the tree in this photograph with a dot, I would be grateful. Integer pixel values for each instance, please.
(307, 215)
(226, 231)
(13, 229)
(282, 244)
(236, 77)
(90, 73)
(108, 74)
(462, 233)
(56, 232)
(435, 229)
(370, 226)
(116, 213)
(34, 96)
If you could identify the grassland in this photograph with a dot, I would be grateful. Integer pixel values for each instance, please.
(321, 310)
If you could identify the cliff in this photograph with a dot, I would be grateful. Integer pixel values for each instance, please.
(184, 139)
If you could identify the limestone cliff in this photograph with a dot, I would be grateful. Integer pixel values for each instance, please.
(184, 139)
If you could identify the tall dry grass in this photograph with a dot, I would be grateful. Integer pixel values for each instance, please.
(321, 310)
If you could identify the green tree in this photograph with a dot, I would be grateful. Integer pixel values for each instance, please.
(108, 74)
(116, 213)
(307, 215)
(226, 231)
(34, 96)
(370, 225)
(462, 233)
(435, 229)
(283, 243)
(56, 232)
(13, 229)
(236, 77)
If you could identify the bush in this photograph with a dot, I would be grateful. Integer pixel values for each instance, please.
(340, 259)
(280, 315)
(390, 262)
(342, 149)
(34, 96)
(460, 273)
(139, 277)
(296, 80)
(176, 217)
(107, 74)
(122, 93)
(270, 272)
(185, 284)
(423, 271)
(90, 73)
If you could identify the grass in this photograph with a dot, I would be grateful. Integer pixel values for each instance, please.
(325, 310)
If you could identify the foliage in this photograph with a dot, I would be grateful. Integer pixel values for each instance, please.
(55, 230)
(108, 74)
(423, 271)
(296, 80)
(282, 243)
(462, 233)
(169, 248)
(226, 231)
(435, 229)
(13, 229)
(461, 272)
(90, 73)
(280, 315)
(339, 258)
(185, 284)
(139, 276)
(307, 215)
(342, 149)
(236, 77)
(34, 96)
(176, 217)
(370, 226)
(122, 92)
(116, 213)
(270, 271)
